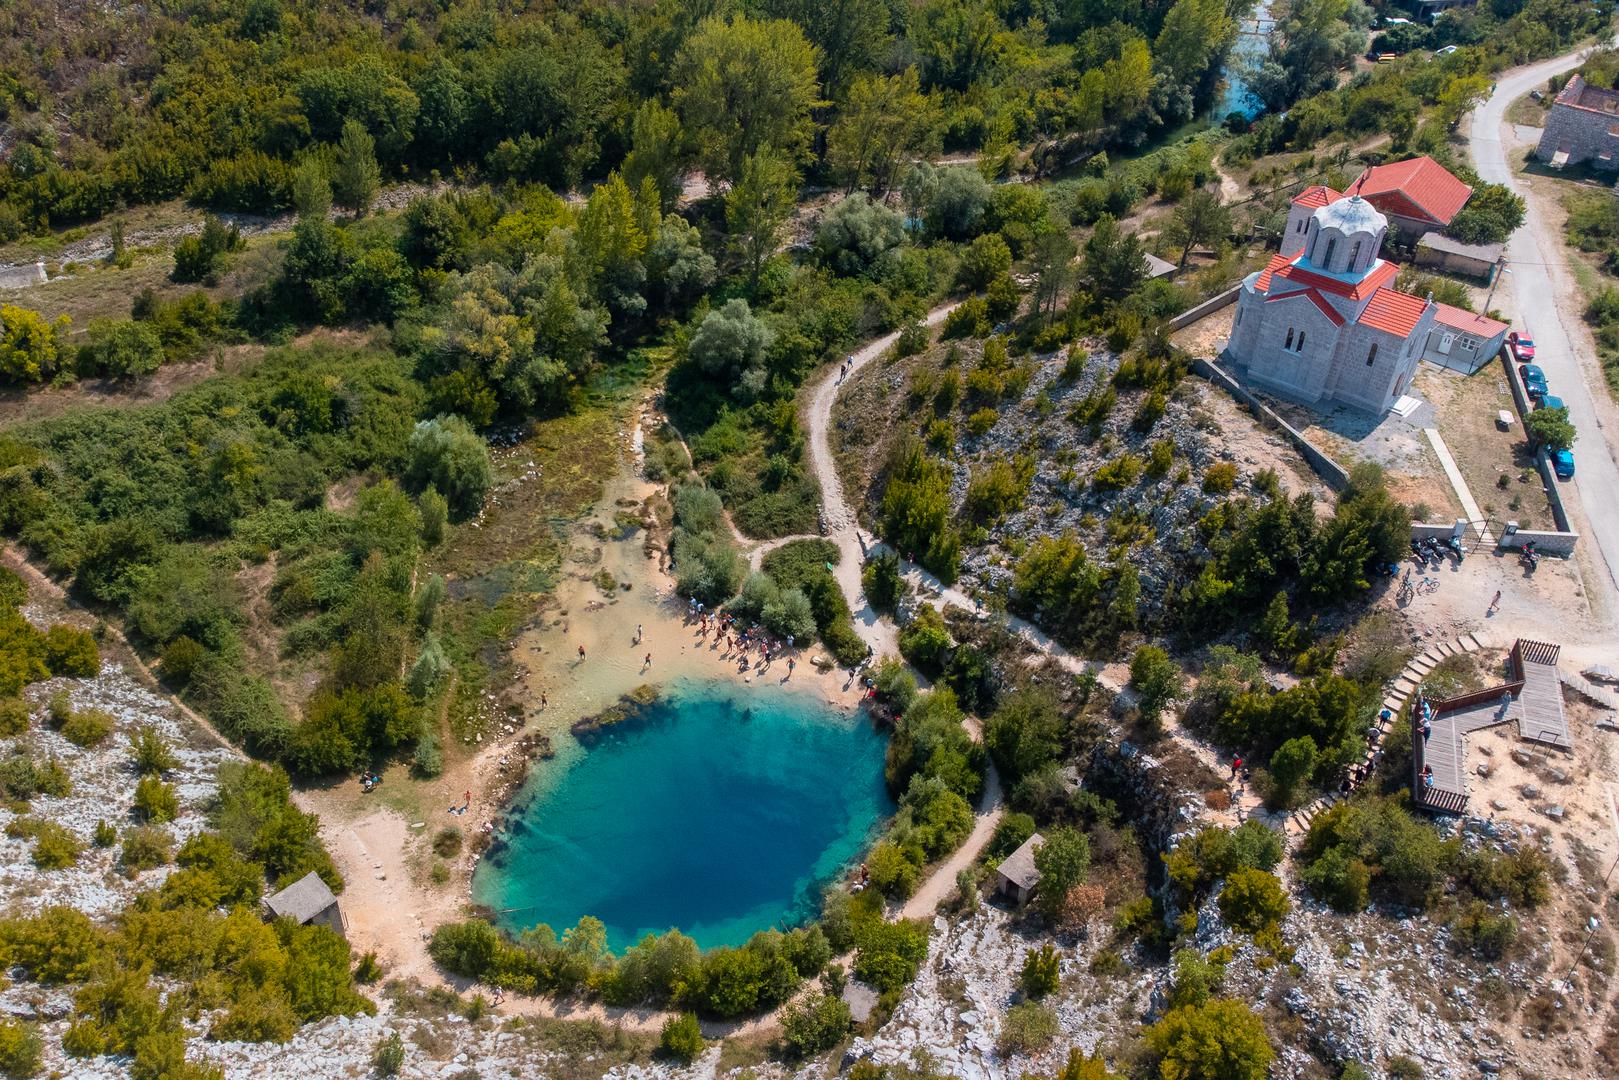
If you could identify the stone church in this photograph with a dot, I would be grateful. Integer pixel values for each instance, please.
(1323, 324)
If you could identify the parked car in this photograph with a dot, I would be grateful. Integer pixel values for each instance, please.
(1522, 346)
(1563, 464)
(1446, 51)
(1534, 380)
(1550, 401)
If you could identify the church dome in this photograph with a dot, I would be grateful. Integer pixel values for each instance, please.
(1345, 237)
(1350, 216)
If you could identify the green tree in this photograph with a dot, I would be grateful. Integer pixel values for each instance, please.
(1051, 257)
(121, 347)
(1156, 680)
(1290, 767)
(730, 345)
(1222, 1040)
(1550, 428)
(1064, 860)
(745, 88)
(1491, 215)
(1113, 264)
(883, 123)
(682, 1038)
(448, 455)
(1041, 973)
(355, 176)
(657, 151)
(814, 1024)
(31, 346)
(756, 209)
(1201, 219)
(312, 188)
(1194, 33)
(20, 1050)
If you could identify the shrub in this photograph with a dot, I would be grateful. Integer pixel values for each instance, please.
(13, 717)
(814, 1024)
(20, 1049)
(1221, 478)
(1550, 428)
(155, 801)
(71, 652)
(448, 455)
(1483, 931)
(1028, 1026)
(104, 835)
(1041, 972)
(447, 844)
(145, 848)
(55, 848)
(889, 954)
(1156, 680)
(1253, 900)
(1118, 474)
(428, 760)
(882, 581)
(87, 727)
(1222, 1039)
(969, 319)
(682, 1038)
(151, 752)
(892, 872)
(985, 259)
(1197, 978)
(1010, 833)
(390, 1055)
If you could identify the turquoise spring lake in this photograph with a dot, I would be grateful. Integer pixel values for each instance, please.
(720, 810)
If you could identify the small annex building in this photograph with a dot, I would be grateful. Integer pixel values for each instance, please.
(1017, 875)
(307, 901)
(1436, 251)
(1582, 127)
(1463, 341)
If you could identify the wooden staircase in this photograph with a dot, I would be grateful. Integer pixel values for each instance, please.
(1399, 693)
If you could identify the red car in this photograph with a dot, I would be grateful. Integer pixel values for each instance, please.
(1522, 345)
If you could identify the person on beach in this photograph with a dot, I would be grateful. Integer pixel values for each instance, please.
(543, 702)
(638, 633)
(581, 652)
(790, 665)
(647, 662)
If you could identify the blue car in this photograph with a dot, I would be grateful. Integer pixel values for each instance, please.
(1551, 401)
(1534, 380)
(1563, 464)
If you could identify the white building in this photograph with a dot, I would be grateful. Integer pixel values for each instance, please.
(1322, 324)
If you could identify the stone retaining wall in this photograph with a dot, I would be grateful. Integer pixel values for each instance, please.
(1332, 474)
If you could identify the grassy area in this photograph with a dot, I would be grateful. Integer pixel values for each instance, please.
(1529, 112)
(500, 567)
(1496, 464)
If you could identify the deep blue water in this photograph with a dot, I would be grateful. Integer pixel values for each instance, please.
(721, 810)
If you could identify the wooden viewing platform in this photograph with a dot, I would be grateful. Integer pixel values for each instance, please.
(1533, 700)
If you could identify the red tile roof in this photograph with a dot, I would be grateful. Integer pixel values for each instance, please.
(1393, 312)
(1378, 276)
(1458, 319)
(1275, 264)
(1418, 187)
(1316, 196)
(1315, 297)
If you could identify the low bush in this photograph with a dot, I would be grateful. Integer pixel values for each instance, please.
(814, 1024)
(682, 1038)
(87, 727)
(1027, 1027)
(155, 801)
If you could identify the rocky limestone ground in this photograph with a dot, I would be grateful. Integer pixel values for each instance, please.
(1203, 426)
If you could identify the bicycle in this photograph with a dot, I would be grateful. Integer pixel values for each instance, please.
(1429, 585)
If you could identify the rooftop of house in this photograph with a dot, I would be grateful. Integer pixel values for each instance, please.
(1467, 322)
(1418, 187)
(1018, 867)
(1316, 196)
(1579, 94)
(302, 900)
(1440, 242)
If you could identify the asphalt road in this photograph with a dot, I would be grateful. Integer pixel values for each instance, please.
(1540, 294)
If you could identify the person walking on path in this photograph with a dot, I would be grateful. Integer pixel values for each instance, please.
(1494, 604)
(638, 633)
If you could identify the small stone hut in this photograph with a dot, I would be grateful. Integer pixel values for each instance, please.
(1017, 877)
(305, 901)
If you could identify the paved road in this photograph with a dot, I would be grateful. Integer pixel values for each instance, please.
(1541, 294)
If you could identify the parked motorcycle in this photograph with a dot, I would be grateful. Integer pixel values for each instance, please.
(1529, 556)
(1455, 546)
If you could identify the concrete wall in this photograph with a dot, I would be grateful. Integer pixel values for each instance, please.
(1331, 473)
(1205, 309)
(1543, 461)
(1551, 543)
